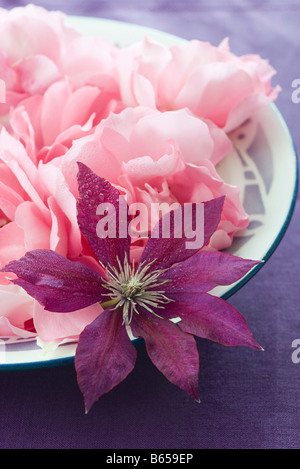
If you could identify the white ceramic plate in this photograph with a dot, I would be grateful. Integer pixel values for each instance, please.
(263, 164)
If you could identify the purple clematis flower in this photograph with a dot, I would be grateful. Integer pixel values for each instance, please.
(163, 299)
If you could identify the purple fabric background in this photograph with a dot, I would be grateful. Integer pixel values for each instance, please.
(249, 399)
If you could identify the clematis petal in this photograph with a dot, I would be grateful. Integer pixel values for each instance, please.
(104, 357)
(94, 193)
(211, 318)
(163, 252)
(59, 284)
(204, 271)
(172, 351)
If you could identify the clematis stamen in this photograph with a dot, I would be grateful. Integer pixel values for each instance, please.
(131, 288)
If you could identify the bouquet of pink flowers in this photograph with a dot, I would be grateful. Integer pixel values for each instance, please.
(84, 123)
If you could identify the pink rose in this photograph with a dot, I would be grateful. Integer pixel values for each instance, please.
(211, 81)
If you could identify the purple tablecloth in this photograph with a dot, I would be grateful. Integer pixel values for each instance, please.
(249, 399)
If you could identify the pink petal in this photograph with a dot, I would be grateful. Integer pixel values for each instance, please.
(79, 107)
(8, 179)
(13, 151)
(9, 201)
(87, 57)
(144, 170)
(54, 101)
(87, 150)
(26, 123)
(7, 329)
(13, 154)
(223, 85)
(247, 106)
(16, 309)
(191, 135)
(52, 327)
(36, 231)
(55, 185)
(11, 243)
(37, 73)
(40, 32)
(59, 234)
(202, 183)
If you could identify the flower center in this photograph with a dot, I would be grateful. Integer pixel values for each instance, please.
(131, 288)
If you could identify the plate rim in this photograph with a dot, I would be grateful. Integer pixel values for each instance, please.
(62, 361)
(289, 216)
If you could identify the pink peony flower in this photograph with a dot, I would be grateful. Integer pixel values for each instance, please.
(148, 155)
(154, 157)
(77, 111)
(37, 211)
(211, 81)
(32, 44)
(151, 120)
